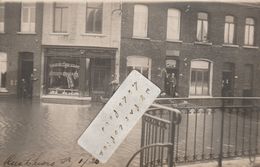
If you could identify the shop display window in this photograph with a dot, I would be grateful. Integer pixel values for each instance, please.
(63, 76)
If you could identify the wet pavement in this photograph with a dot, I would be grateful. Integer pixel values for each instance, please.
(45, 134)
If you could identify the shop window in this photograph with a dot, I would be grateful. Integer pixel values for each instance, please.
(141, 64)
(2, 17)
(173, 24)
(202, 27)
(60, 18)
(229, 30)
(200, 81)
(63, 76)
(249, 31)
(28, 17)
(3, 69)
(140, 21)
(94, 17)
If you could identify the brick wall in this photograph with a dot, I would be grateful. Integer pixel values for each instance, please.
(12, 42)
(156, 46)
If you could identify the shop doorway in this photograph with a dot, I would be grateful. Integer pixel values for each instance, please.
(100, 76)
(228, 80)
(25, 69)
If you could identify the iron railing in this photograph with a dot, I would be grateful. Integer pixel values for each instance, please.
(216, 128)
(211, 129)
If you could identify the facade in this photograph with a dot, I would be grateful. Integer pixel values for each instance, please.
(212, 49)
(80, 48)
(72, 50)
(20, 47)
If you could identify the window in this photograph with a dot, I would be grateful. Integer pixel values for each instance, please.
(173, 24)
(200, 84)
(28, 17)
(3, 68)
(60, 18)
(139, 63)
(249, 31)
(2, 17)
(229, 30)
(140, 21)
(202, 27)
(63, 76)
(94, 17)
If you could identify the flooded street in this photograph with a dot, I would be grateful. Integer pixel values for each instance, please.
(46, 134)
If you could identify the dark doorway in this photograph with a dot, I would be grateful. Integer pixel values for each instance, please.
(100, 76)
(228, 80)
(171, 77)
(25, 86)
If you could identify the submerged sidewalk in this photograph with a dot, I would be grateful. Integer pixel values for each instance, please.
(237, 162)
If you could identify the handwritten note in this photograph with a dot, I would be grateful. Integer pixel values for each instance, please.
(119, 116)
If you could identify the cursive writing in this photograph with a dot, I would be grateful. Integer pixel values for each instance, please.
(37, 161)
(12, 161)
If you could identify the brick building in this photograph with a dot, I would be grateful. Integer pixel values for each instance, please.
(20, 46)
(80, 49)
(208, 46)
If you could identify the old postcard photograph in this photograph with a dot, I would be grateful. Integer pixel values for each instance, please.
(129, 83)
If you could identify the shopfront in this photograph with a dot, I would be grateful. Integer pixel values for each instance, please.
(77, 72)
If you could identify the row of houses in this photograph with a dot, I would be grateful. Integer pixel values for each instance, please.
(71, 50)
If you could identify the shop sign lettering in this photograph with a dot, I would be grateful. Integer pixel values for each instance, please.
(118, 116)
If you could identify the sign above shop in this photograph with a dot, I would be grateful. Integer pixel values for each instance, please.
(119, 116)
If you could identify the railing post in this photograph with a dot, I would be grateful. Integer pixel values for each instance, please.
(221, 134)
(172, 139)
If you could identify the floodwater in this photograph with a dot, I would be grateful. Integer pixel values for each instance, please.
(44, 134)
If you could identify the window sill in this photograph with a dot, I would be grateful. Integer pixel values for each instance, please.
(3, 90)
(145, 38)
(250, 47)
(174, 40)
(203, 43)
(59, 33)
(93, 34)
(26, 33)
(194, 96)
(230, 45)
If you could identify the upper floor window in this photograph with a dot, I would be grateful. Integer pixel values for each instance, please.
(94, 17)
(200, 81)
(141, 64)
(202, 27)
(229, 30)
(140, 21)
(3, 68)
(2, 17)
(173, 24)
(28, 17)
(60, 18)
(249, 31)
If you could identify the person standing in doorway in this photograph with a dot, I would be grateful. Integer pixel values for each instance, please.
(172, 84)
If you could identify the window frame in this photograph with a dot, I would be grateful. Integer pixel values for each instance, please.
(178, 26)
(210, 77)
(2, 23)
(31, 24)
(93, 24)
(228, 32)
(62, 7)
(3, 60)
(140, 65)
(248, 26)
(203, 21)
(137, 18)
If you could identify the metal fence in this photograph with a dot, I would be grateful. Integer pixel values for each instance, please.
(210, 129)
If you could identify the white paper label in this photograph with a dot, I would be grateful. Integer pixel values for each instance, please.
(119, 116)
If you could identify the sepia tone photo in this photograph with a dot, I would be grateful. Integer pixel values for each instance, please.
(119, 83)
